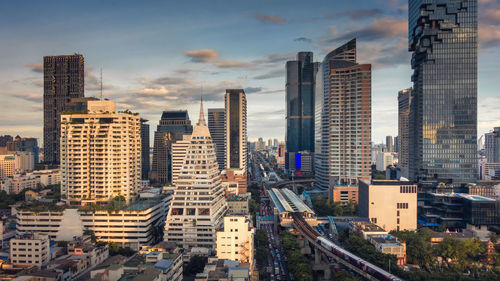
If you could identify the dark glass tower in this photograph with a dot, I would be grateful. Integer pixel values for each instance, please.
(300, 86)
(216, 126)
(235, 123)
(443, 42)
(145, 149)
(173, 125)
(63, 79)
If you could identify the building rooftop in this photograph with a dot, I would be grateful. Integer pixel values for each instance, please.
(366, 226)
(163, 264)
(464, 196)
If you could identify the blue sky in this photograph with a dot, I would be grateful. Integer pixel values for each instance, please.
(159, 55)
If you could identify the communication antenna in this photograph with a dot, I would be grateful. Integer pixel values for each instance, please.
(101, 84)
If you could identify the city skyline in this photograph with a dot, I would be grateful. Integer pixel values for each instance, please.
(160, 66)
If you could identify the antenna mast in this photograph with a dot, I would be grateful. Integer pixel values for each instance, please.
(101, 83)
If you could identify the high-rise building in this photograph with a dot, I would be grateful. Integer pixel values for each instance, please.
(63, 79)
(389, 144)
(443, 41)
(23, 144)
(178, 154)
(300, 88)
(216, 117)
(269, 143)
(276, 143)
(236, 129)
(390, 204)
(342, 119)
(100, 153)
(145, 165)
(4, 139)
(198, 204)
(172, 126)
(396, 144)
(492, 146)
(404, 103)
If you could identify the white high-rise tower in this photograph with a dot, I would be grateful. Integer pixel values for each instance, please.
(198, 205)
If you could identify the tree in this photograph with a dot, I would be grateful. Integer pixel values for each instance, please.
(344, 276)
(195, 265)
(90, 232)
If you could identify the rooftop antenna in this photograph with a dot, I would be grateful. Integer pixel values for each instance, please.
(101, 84)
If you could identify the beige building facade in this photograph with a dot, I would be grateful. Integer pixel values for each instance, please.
(30, 249)
(390, 204)
(235, 242)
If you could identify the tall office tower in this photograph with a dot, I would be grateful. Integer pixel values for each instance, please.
(236, 129)
(492, 146)
(276, 143)
(443, 41)
(63, 79)
(4, 139)
(172, 126)
(269, 143)
(389, 144)
(300, 88)
(145, 149)
(404, 104)
(100, 153)
(396, 144)
(198, 204)
(216, 117)
(342, 119)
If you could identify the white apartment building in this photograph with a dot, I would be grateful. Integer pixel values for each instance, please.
(131, 226)
(100, 153)
(235, 242)
(178, 152)
(384, 159)
(16, 163)
(48, 177)
(198, 202)
(18, 182)
(31, 249)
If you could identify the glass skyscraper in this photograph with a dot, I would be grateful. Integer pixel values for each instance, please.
(443, 42)
(300, 86)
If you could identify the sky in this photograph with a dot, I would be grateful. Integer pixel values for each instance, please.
(163, 55)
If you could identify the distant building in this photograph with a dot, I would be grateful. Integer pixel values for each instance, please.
(178, 156)
(238, 204)
(7, 165)
(300, 89)
(383, 160)
(396, 144)
(484, 169)
(30, 249)
(390, 245)
(235, 241)
(224, 270)
(63, 79)
(391, 205)
(492, 146)
(19, 182)
(343, 194)
(100, 153)
(172, 126)
(343, 119)
(404, 131)
(216, 119)
(48, 177)
(145, 163)
(234, 181)
(389, 144)
(486, 188)
(23, 144)
(16, 163)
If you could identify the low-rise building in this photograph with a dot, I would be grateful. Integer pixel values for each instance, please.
(234, 181)
(30, 249)
(367, 228)
(224, 270)
(235, 241)
(48, 177)
(343, 194)
(19, 182)
(390, 204)
(388, 244)
(132, 225)
(238, 204)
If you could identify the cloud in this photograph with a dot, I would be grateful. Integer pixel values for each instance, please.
(382, 28)
(204, 55)
(35, 67)
(356, 14)
(31, 97)
(269, 19)
(271, 74)
(302, 39)
(489, 24)
(232, 64)
(93, 82)
(385, 54)
(252, 90)
(489, 35)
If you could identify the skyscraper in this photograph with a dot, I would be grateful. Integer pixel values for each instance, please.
(145, 149)
(396, 144)
(389, 144)
(404, 104)
(195, 215)
(172, 126)
(443, 41)
(342, 119)
(63, 79)
(300, 87)
(492, 146)
(100, 153)
(236, 129)
(216, 117)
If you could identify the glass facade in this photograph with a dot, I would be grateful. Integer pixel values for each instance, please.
(235, 129)
(234, 132)
(443, 42)
(300, 86)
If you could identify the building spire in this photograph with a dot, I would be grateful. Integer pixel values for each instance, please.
(201, 119)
